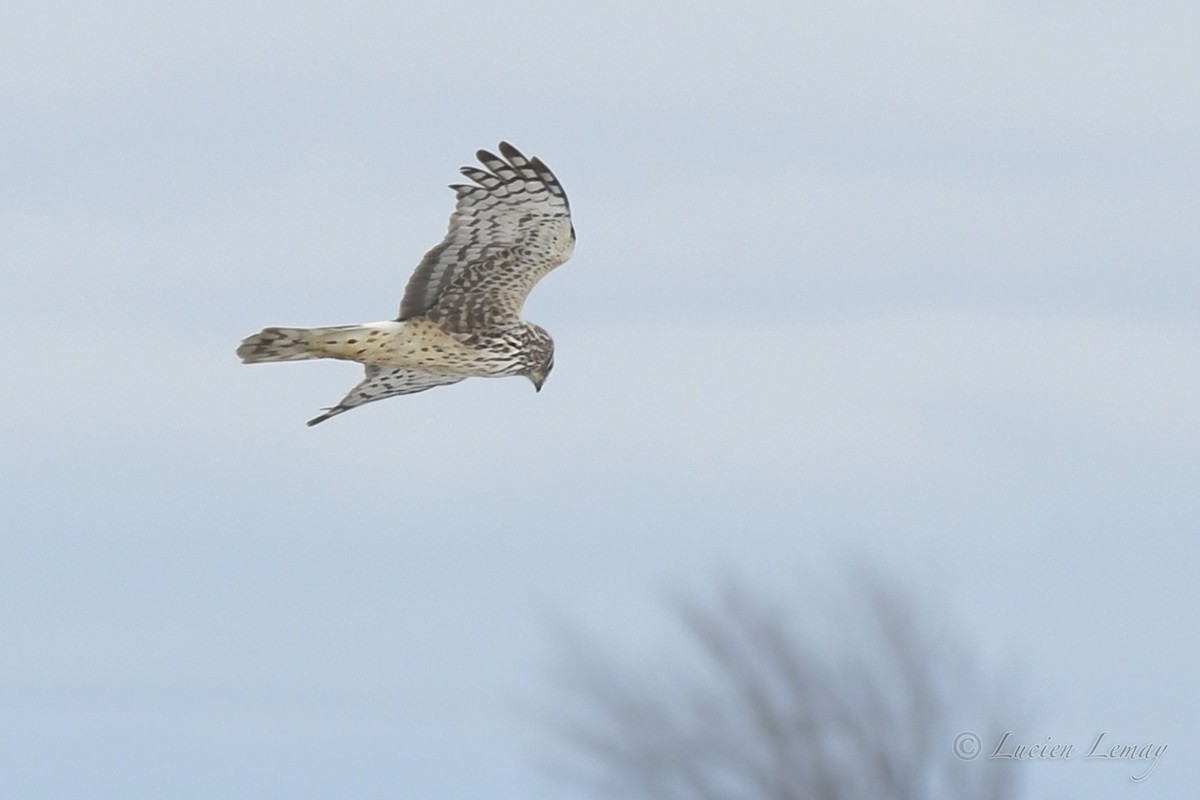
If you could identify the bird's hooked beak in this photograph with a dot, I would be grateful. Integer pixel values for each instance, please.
(537, 381)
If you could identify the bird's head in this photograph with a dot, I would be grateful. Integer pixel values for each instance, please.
(539, 356)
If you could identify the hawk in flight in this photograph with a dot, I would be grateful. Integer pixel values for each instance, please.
(461, 313)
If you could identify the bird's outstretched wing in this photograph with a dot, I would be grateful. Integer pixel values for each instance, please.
(381, 382)
(511, 226)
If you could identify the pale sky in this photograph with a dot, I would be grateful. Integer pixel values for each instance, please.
(917, 282)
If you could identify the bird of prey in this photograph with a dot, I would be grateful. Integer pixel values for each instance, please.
(461, 312)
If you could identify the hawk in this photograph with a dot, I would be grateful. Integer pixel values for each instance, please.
(461, 312)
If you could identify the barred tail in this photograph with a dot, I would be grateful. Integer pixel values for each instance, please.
(348, 342)
(290, 344)
(276, 344)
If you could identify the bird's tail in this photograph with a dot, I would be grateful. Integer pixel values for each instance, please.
(295, 344)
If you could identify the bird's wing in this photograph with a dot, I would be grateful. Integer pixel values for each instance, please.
(511, 226)
(381, 382)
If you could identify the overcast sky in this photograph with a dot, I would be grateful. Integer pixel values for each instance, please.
(917, 282)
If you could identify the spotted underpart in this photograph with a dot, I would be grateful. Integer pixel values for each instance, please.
(460, 316)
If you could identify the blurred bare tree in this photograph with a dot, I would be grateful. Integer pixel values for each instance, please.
(853, 692)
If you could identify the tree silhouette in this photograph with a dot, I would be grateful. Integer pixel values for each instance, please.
(856, 692)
